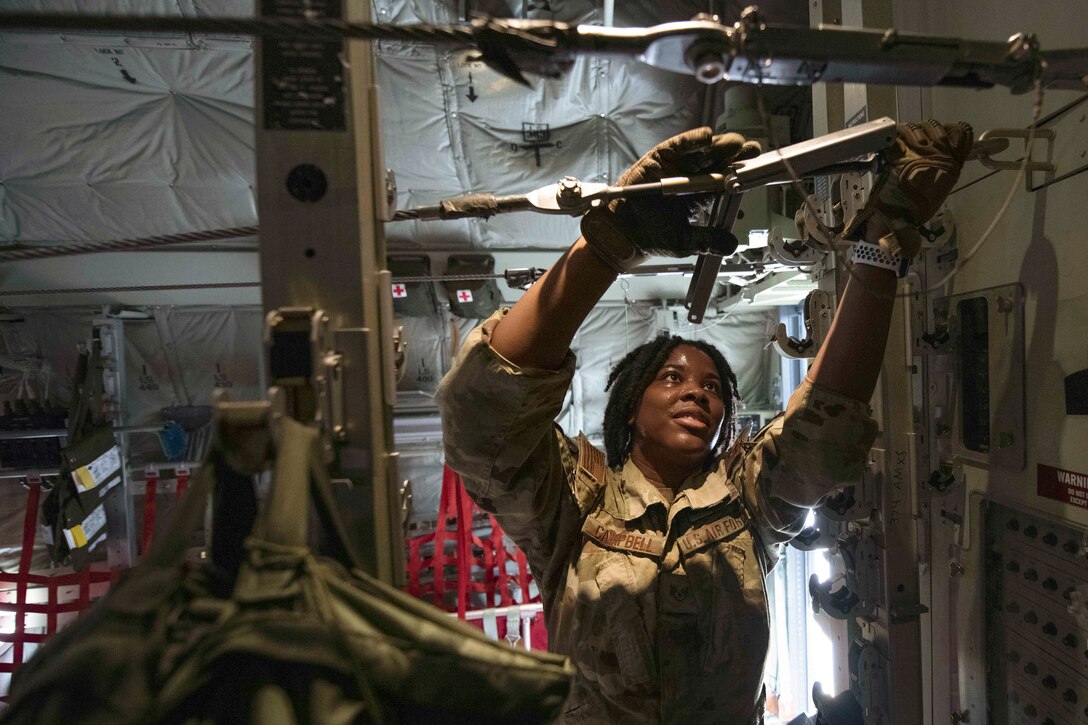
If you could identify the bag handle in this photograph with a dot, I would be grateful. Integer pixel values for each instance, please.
(299, 473)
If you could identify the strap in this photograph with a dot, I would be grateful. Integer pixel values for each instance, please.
(285, 516)
(84, 392)
(523, 575)
(168, 549)
(502, 578)
(342, 546)
(151, 489)
(464, 546)
(26, 558)
(300, 475)
(234, 511)
(875, 256)
(77, 411)
(181, 474)
(447, 509)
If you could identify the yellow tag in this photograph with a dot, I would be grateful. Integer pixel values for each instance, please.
(78, 537)
(85, 478)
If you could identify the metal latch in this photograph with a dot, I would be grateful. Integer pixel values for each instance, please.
(305, 365)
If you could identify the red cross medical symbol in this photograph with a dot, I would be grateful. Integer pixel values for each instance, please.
(399, 291)
(464, 295)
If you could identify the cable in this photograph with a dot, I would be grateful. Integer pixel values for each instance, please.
(293, 28)
(1037, 107)
(145, 288)
(958, 189)
(124, 245)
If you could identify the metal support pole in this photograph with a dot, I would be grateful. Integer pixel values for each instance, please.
(896, 630)
(320, 195)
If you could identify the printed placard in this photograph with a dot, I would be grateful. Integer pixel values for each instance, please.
(1066, 486)
(87, 532)
(98, 470)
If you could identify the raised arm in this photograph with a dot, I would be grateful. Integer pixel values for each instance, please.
(822, 441)
(925, 165)
(850, 357)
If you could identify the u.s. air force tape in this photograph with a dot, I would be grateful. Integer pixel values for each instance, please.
(723, 528)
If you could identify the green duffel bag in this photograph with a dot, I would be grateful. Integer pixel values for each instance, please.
(292, 638)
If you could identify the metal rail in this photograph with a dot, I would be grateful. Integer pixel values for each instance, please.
(752, 51)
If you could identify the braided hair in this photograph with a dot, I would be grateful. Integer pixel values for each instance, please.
(634, 373)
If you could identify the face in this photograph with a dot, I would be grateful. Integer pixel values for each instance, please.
(681, 410)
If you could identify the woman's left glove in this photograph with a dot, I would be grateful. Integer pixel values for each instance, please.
(923, 167)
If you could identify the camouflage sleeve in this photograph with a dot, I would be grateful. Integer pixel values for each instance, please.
(820, 444)
(499, 432)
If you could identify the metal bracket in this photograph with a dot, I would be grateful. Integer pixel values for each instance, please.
(815, 537)
(386, 213)
(947, 476)
(1030, 166)
(722, 217)
(987, 329)
(840, 504)
(869, 681)
(400, 347)
(852, 503)
(865, 576)
(842, 709)
(838, 604)
(817, 221)
(406, 498)
(792, 253)
(854, 190)
(907, 613)
(305, 366)
(817, 324)
(939, 230)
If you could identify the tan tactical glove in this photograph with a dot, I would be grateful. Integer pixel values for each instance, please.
(624, 231)
(924, 166)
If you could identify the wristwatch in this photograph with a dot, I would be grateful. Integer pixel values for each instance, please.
(875, 256)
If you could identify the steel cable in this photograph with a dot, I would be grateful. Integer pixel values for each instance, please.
(124, 245)
(271, 27)
(135, 288)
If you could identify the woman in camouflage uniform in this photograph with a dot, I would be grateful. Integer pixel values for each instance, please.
(652, 565)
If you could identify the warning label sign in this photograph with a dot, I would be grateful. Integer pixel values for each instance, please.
(1061, 485)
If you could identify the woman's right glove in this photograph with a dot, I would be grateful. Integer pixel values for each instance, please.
(625, 231)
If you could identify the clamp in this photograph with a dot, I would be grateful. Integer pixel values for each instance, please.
(838, 604)
(817, 325)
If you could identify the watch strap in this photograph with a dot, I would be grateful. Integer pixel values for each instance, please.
(875, 256)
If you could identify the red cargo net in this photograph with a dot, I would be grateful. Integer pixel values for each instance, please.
(64, 595)
(450, 565)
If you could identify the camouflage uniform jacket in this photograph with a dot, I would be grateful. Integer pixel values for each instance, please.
(660, 607)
